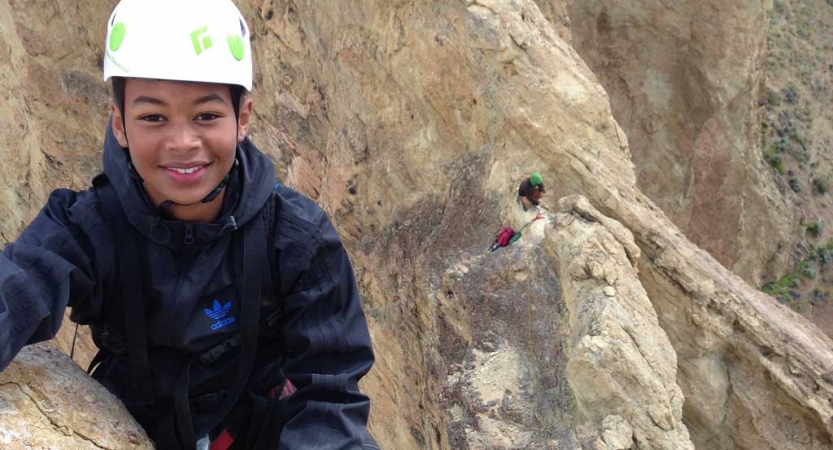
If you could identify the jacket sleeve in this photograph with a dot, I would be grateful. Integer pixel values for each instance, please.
(328, 350)
(39, 273)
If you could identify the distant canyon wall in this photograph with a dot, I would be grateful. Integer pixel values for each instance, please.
(683, 79)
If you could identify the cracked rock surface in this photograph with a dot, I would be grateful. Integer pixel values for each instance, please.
(622, 367)
(48, 402)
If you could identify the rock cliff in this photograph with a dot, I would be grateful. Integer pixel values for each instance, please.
(684, 83)
(412, 123)
(684, 80)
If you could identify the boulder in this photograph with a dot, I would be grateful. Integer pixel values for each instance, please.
(48, 403)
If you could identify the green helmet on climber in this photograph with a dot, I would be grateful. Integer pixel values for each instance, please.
(531, 190)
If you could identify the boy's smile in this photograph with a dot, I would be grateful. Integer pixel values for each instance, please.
(182, 139)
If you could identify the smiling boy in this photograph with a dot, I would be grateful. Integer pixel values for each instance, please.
(184, 138)
(224, 306)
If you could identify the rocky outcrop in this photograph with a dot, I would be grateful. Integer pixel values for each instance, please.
(746, 363)
(683, 79)
(622, 367)
(48, 403)
(563, 347)
(412, 123)
(733, 343)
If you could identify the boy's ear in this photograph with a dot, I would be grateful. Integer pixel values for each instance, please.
(244, 119)
(118, 125)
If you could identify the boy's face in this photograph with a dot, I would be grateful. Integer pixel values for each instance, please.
(182, 136)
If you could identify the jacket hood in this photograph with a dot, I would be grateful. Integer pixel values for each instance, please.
(248, 189)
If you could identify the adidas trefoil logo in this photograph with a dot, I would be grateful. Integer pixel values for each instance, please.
(219, 313)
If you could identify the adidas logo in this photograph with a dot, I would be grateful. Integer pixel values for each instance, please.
(218, 313)
(222, 323)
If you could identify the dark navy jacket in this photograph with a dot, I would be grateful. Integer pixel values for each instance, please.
(66, 257)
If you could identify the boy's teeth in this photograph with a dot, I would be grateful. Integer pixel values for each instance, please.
(186, 171)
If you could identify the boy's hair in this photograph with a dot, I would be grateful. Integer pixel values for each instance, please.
(237, 95)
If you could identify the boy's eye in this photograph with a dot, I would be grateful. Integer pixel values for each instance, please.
(207, 116)
(152, 118)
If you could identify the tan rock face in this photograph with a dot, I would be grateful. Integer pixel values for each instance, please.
(683, 80)
(48, 403)
(412, 123)
(53, 107)
(622, 367)
(53, 102)
(745, 362)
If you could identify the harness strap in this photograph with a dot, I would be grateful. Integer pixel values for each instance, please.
(265, 414)
(179, 428)
(130, 259)
(97, 359)
(223, 441)
(214, 353)
(517, 235)
(250, 280)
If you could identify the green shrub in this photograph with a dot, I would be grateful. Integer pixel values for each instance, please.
(802, 267)
(808, 272)
(795, 185)
(820, 186)
(783, 285)
(773, 99)
(776, 160)
(825, 256)
(790, 94)
(819, 297)
(814, 229)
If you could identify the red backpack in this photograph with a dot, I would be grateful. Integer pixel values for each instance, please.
(504, 238)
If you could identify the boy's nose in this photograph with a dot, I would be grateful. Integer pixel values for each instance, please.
(183, 139)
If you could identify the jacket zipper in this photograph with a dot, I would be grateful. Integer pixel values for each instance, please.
(172, 320)
(189, 234)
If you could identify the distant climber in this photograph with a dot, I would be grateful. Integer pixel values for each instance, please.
(529, 196)
(530, 191)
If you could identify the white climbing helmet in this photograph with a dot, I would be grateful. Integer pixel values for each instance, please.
(184, 40)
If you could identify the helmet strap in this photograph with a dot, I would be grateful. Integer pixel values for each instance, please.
(213, 194)
(164, 208)
(237, 93)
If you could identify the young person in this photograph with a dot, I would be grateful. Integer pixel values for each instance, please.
(531, 190)
(224, 305)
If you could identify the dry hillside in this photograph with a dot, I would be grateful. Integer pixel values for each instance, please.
(796, 141)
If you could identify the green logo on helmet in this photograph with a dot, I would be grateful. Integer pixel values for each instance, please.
(205, 44)
(117, 36)
(235, 44)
